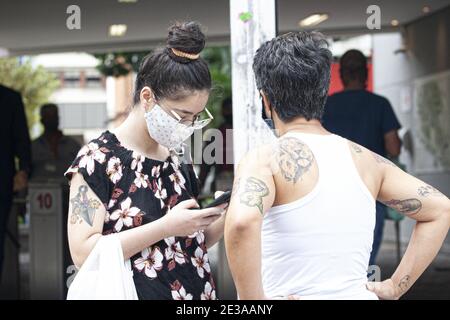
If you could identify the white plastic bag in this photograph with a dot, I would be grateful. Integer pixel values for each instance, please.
(104, 275)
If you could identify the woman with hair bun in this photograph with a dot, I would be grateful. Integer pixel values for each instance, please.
(132, 182)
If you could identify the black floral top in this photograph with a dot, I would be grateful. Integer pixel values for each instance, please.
(136, 190)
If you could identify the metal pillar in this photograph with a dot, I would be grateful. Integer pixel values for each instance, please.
(252, 23)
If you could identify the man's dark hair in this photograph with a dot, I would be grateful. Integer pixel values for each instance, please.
(353, 66)
(169, 75)
(293, 71)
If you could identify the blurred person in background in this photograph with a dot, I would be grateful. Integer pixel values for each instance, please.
(52, 154)
(15, 144)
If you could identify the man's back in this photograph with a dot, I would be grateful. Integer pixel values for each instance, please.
(360, 116)
(317, 237)
(316, 195)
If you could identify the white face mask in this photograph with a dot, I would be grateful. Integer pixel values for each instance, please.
(166, 130)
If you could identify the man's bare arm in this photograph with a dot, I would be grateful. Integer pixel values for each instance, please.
(423, 203)
(253, 195)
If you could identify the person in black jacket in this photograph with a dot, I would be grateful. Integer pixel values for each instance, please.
(15, 142)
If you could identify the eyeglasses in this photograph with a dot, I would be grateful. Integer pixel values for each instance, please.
(200, 120)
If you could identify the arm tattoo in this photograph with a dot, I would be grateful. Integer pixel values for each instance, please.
(83, 208)
(428, 190)
(407, 207)
(403, 285)
(383, 160)
(355, 147)
(254, 191)
(294, 158)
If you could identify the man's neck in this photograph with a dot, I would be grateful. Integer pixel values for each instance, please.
(300, 125)
(354, 86)
(52, 134)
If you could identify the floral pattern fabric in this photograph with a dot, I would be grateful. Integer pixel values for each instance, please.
(136, 190)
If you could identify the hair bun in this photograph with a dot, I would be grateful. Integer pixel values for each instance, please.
(186, 37)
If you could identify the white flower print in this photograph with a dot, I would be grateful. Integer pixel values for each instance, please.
(199, 236)
(178, 181)
(107, 217)
(141, 180)
(179, 293)
(112, 203)
(175, 162)
(138, 159)
(89, 154)
(71, 169)
(209, 293)
(124, 215)
(114, 169)
(200, 261)
(150, 262)
(160, 192)
(173, 251)
(156, 171)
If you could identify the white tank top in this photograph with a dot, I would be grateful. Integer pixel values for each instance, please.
(318, 247)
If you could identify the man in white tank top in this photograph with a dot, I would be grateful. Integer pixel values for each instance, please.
(301, 219)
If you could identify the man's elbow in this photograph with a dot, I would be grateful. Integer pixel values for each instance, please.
(446, 212)
(239, 225)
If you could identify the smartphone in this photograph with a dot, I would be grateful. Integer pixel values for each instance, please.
(223, 198)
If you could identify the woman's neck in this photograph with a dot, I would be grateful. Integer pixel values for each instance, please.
(133, 134)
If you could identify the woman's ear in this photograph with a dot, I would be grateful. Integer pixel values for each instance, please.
(146, 97)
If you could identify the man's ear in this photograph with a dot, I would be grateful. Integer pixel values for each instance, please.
(266, 105)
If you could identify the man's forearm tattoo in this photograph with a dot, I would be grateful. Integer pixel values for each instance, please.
(383, 160)
(83, 208)
(403, 285)
(407, 207)
(253, 192)
(428, 190)
(294, 158)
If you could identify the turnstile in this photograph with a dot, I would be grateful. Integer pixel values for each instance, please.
(47, 272)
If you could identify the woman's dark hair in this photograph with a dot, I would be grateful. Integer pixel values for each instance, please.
(353, 66)
(293, 71)
(171, 76)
